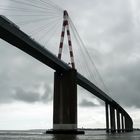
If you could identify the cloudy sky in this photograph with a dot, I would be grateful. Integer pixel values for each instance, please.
(111, 31)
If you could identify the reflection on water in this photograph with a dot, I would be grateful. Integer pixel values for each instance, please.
(89, 135)
(65, 137)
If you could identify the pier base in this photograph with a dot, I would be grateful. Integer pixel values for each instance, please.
(71, 132)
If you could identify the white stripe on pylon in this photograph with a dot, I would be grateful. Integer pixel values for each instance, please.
(70, 49)
(72, 59)
(62, 39)
(69, 38)
(63, 29)
(65, 17)
(60, 50)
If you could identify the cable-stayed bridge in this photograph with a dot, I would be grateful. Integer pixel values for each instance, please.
(66, 79)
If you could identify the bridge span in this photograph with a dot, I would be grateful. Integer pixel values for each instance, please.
(117, 119)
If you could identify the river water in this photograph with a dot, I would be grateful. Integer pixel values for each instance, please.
(89, 135)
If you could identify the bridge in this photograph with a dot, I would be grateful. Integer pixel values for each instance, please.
(66, 80)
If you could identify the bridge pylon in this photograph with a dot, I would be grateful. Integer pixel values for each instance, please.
(65, 91)
(65, 103)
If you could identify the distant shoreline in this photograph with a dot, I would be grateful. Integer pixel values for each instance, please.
(101, 129)
(88, 129)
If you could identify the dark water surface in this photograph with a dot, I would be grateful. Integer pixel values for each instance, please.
(89, 135)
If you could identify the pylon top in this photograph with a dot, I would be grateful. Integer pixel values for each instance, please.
(65, 13)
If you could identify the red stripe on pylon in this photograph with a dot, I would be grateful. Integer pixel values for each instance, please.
(70, 44)
(62, 34)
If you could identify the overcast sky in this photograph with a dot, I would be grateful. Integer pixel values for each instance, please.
(111, 31)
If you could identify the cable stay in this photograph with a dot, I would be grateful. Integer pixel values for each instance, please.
(94, 74)
(42, 20)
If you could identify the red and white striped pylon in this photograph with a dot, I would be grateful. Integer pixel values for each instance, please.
(66, 26)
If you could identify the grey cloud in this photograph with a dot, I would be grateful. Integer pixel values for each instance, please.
(87, 103)
(117, 54)
(125, 84)
(32, 96)
(21, 70)
(48, 95)
(112, 37)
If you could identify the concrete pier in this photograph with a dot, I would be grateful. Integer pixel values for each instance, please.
(118, 121)
(107, 117)
(112, 119)
(65, 103)
(127, 124)
(122, 120)
(131, 125)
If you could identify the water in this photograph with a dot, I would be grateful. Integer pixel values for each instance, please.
(89, 135)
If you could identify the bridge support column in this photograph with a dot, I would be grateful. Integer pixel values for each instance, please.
(107, 117)
(65, 103)
(112, 119)
(131, 125)
(127, 124)
(118, 121)
(122, 120)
